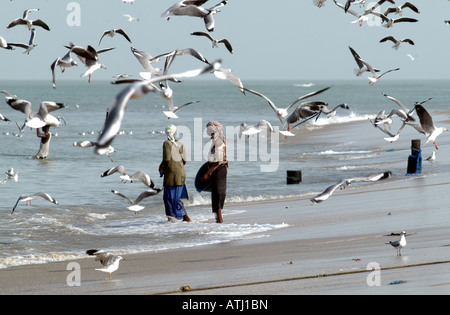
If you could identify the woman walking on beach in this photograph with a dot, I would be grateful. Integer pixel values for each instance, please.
(44, 148)
(218, 168)
(172, 168)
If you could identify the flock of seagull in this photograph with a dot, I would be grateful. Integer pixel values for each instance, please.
(156, 80)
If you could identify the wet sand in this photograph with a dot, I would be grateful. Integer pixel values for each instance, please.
(325, 250)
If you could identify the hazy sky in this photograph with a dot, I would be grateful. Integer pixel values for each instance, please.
(288, 39)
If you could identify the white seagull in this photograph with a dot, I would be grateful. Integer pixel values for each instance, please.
(4, 44)
(35, 120)
(399, 244)
(131, 18)
(215, 43)
(135, 205)
(396, 42)
(31, 45)
(113, 32)
(432, 158)
(138, 90)
(282, 113)
(428, 126)
(28, 198)
(193, 8)
(173, 109)
(399, 10)
(88, 144)
(30, 23)
(226, 74)
(247, 130)
(345, 183)
(359, 61)
(366, 66)
(109, 261)
(319, 3)
(140, 175)
(89, 57)
(390, 22)
(63, 63)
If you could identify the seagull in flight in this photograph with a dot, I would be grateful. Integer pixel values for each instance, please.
(89, 57)
(29, 23)
(28, 198)
(342, 184)
(396, 42)
(109, 261)
(31, 45)
(113, 32)
(366, 66)
(140, 175)
(137, 90)
(64, 62)
(399, 10)
(193, 8)
(428, 126)
(135, 204)
(282, 113)
(215, 43)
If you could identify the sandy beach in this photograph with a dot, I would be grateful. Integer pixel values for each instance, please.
(325, 249)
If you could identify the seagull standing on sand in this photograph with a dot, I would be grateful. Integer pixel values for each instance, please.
(109, 261)
(399, 244)
(396, 42)
(428, 126)
(342, 184)
(215, 43)
(193, 8)
(28, 198)
(135, 204)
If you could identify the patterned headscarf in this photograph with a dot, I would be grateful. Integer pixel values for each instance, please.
(171, 132)
(214, 129)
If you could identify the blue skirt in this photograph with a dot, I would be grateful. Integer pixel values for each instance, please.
(172, 201)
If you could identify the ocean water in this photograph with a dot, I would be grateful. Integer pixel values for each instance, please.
(90, 216)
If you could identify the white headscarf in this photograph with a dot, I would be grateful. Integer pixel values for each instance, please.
(171, 132)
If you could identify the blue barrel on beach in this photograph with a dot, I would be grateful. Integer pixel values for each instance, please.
(200, 184)
(415, 159)
(293, 177)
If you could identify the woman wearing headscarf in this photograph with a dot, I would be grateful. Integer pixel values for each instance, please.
(218, 168)
(172, 168)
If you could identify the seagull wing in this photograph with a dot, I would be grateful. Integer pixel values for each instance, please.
(328, 192)
(307, 96)
(113, 170)
(426, 121)
(145, 194)
(115, 192)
